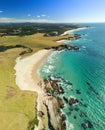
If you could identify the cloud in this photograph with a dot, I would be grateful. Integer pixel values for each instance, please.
(43, 15)
(12, 20)
(1, 11)
(38, 16)
(29, 15)
(5, 20)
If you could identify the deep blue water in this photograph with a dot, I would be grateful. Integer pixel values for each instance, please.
(85, 69)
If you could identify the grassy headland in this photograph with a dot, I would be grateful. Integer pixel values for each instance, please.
(18, 108)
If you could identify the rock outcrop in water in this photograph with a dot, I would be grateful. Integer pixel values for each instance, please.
(87, 124)
(54, 103)
(73, 101)
(64, 47)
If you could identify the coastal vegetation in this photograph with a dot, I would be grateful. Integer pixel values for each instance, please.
(22, 29)
(18, 108)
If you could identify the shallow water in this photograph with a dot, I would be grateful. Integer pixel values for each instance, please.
(85, 69)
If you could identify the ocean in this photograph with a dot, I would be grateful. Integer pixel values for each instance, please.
(85, 70)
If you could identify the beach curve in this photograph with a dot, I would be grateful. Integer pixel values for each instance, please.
(28, 79)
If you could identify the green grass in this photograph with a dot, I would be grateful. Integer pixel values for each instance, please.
(18, 108)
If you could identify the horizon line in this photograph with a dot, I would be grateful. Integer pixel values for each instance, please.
(51, 22)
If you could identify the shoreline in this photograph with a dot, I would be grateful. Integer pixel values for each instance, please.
(28, 79)
(47, 104)
(22, 65)
(72, 30)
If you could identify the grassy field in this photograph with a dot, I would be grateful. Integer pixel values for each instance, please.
(18, 108)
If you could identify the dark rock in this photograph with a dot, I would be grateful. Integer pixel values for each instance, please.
(63, 122)
(61, 90)
(88, 83)
(85, 105)
(45, 81)
(68, 82)
(54, 84)
(60, 102)
(65, 99)
(83, 114)
(64, 125)
(87, 124)
(84, 125)
(75, 117)
(40, 113)
(65, 47)
(63, 117)
(73, 101)
(78, 92)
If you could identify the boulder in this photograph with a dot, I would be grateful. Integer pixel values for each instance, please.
(72, 101)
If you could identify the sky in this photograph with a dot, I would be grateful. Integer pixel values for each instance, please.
(70, 11)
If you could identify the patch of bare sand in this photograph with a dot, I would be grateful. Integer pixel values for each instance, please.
(28, 79)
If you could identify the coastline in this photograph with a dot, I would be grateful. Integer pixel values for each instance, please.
(71, 31)
(48, 106)
(22, 65)
(28, 79)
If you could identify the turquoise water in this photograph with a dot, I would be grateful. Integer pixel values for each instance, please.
(85, 69)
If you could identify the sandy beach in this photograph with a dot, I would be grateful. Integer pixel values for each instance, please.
(28, 79)
(26, 70)
(71, 31)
